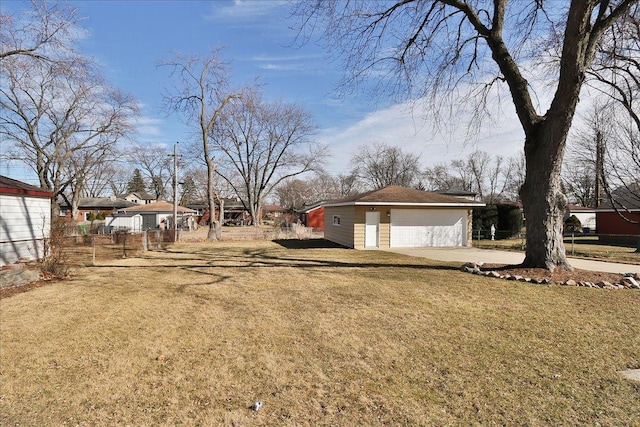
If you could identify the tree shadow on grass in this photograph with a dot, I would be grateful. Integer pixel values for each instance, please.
(308, 244)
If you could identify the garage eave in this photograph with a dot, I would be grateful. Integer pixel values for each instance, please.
(406, 204)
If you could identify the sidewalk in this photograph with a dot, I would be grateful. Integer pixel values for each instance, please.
(469, 254)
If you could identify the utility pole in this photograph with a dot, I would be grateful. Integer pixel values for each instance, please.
(175, 192)
(599, 169)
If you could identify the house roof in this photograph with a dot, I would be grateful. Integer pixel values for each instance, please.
(274, 208)
(156, 207)
(578, 208)
(306, 208)
(124, 214)
(624, 199)
(142, 196)
(99, 203)
(402, 196)
(12, 186)
(457, 193)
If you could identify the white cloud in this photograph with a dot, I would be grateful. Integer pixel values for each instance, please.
(148, 126)
(401, 126)
(243, 10)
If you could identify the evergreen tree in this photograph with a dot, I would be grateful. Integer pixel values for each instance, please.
(136, 183)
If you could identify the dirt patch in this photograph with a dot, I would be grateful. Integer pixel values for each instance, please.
(557, 276)
(14, 290)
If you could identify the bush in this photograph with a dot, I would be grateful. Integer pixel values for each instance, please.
(505, 217)
(509, 220)
(572, 225)
(54, 262)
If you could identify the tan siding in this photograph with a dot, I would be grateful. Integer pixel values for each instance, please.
(342, 234)
(351, 231)
(469, 228)
(359, 235)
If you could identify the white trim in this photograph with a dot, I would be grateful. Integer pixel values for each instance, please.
(632, 210)
(419, 204)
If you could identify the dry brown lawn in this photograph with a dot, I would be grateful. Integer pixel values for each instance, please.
(322, 336)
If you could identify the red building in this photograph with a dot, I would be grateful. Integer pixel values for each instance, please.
(312, 216)
(613, 229)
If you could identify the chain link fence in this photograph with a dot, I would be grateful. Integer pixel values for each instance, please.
(613, 247)
(88, 244)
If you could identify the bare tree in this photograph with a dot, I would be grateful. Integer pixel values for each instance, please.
(582, 165)
(440, 177)
(105, 180)
(292, 194)
(328, 187)
(155, 165)
(488, 177)
(617, 75)
(200, 94)
(438, 48)
(515, 179)
(194, 188)
(62, 120)
(261, 144)
(45, 33)
(381, 165)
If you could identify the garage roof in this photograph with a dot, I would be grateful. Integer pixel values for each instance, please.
(12, 186)
(401, 196)
(156, 207)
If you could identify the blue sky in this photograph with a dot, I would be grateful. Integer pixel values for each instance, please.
(129, 38)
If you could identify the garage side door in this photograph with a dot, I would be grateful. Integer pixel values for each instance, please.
(412, 228)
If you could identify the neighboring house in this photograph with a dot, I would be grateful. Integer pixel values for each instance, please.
(25, 220)
(140, 198)
(462, 194)
(586, 216)
(399, 217)
(234, 212)
(160, 214)
(201, 209)
(128, 221)
(95, 205)
(312, 216)
(611, 228)
(273, 211)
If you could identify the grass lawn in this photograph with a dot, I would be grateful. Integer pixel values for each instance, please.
(322, 336)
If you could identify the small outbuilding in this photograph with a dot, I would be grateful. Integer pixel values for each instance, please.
(312, 216)
(586, 216)
(160, 214)
(25, 221)
(399, 217)
(621, 227)
(127, 221)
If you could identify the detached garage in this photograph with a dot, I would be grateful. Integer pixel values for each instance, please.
(399, 217)
(25, 221)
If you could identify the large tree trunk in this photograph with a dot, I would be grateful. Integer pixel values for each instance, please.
(542, 198)
(212, 234)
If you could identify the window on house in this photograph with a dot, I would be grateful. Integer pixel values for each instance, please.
(336, 220)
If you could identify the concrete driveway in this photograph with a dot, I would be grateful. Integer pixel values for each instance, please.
(467, 254)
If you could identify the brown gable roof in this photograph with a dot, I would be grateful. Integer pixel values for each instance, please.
(161, 206)
(12, 186)
(401, 195)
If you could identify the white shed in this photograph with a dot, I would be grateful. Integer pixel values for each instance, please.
(129, 221)
(25, 220)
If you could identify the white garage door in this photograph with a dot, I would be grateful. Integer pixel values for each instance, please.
(412, 228)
